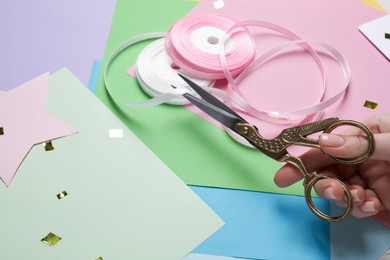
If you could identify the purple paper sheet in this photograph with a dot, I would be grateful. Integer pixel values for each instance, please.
(43, 35)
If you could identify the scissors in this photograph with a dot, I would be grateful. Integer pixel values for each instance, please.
(276, 148)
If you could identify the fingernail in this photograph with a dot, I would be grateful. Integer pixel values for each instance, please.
(328, 193)
(355, 196)
(331, 140)
(368, 207)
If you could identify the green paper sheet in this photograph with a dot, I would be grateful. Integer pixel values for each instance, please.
(122, 202)
(197, 151)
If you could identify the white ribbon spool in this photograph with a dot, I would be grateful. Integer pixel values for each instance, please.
(169, 95)
(156, 73)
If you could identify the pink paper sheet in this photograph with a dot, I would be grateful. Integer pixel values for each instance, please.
(26, 122)
(292, 81)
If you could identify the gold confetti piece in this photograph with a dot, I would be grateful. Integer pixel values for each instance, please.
(51, 239)
(1, 130)
(48, 146)
(62, 194)
(99, 258)
(370, 105)
(387, 35)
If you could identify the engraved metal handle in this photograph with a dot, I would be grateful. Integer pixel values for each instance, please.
(276, 149)
(309, 180)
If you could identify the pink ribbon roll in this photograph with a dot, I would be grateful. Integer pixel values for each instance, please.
(194, 43)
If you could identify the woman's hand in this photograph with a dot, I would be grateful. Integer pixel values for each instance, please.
(369, 181)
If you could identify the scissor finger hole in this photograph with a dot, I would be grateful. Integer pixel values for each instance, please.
(340, 213)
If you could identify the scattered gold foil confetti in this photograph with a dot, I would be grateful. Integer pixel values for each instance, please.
(51, 239)
(48, 146)
(1, 130)
(387, 35)
(370, 105)
(62, 194)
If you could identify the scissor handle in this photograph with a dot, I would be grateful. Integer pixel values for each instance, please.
(309, 184)
(365, 129)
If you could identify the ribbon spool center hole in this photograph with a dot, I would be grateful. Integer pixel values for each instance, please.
(212, 40)
(174, 66)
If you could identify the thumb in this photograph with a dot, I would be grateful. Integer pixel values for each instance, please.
(349, 146)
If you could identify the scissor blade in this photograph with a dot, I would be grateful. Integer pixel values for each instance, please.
(208, 97)
(217, 113)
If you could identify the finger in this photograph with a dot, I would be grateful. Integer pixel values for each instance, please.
(332, 190)
(355, 179)
(379, 123)
(381, 185)
(287, 175)
(313, 160)
(365, 202)
(382, 144)
(370, 207)
(343, 146)
(358, 195)
(349, 146)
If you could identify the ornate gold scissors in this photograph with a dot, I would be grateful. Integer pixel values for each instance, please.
(276, 148)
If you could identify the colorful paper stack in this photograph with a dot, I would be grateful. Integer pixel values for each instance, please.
(98, 192)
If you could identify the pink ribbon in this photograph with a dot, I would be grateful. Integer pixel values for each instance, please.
(193, 45)
(237, 97)
(211, 46)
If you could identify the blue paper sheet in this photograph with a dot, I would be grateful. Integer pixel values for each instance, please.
(93, 78)
(358, 239)
(265, 226)
(194, 256)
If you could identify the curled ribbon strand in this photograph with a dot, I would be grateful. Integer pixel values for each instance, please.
(238, 98)
(170, 95)
(148, 83)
